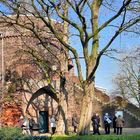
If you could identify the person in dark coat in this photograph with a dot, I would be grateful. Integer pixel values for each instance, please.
(119, 124)
(96, 123)
(114, 123)
(31, 124)
(107, 122)
(74, 122)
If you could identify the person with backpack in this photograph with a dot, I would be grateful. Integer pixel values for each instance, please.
(107, 122)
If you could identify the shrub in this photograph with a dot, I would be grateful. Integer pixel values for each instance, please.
(34, 138)
(10, 133)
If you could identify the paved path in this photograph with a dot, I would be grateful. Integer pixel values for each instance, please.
(126, 131)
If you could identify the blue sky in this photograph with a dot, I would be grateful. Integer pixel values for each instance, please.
(108, 67)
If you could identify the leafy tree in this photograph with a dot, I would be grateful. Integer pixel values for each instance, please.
(87, 21)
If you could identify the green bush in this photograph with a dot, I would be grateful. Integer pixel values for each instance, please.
(34, 138)
(10, 133)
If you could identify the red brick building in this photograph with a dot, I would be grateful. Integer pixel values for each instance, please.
(23, 78)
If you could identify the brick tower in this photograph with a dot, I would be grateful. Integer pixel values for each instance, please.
(15, 66)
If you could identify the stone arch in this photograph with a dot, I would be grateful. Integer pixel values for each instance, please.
(44, 90)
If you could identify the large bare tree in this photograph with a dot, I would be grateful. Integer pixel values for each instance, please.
(87, 20)
(127, 80)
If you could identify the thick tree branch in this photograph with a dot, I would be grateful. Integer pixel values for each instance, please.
(121, 29)
(111, 19)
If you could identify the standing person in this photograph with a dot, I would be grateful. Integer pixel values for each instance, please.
(31, 124)
(96, 123)
(74, 122)
(53, 123)
(107, 122)
(119, 124)
(114, 123)
(26, 127)
(20, 122)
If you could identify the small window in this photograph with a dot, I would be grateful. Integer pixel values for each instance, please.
(117, 113)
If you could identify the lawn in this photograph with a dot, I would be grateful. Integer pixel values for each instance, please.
(96, 137)
(16, 134)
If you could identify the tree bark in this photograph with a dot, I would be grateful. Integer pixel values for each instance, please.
(86, 110)
(62, 127)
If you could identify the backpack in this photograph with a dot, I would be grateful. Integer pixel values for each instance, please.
(108, 120)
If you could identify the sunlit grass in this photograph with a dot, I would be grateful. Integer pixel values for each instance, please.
(15, 134)
(97, 137)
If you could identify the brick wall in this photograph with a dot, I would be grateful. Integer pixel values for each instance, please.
(15, 40)
(16, 61)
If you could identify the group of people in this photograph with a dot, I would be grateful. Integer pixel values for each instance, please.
(74, 123)
(118, 123)
(26, 124)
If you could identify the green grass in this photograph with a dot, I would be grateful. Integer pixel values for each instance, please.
(96, 137)
(16, 134)
(12, 133)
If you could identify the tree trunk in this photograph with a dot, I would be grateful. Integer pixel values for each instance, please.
(86, 110)
(63, 105)
(88, 102)
(62, 127)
